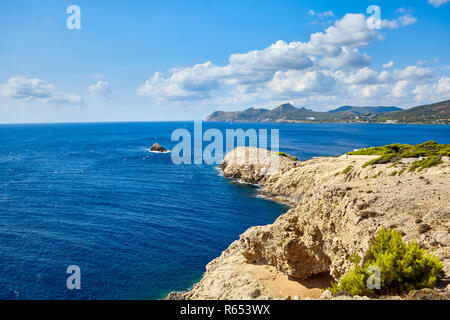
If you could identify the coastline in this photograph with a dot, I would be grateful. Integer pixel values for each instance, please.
(335, 122)
(328, 222)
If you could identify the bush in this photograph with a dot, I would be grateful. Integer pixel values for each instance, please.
(282, 154)
(347, 170)
(425, 163)
(403, 267)
(392, 153)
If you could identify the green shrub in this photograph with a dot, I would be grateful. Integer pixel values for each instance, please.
(394, 164)
(393, 173)
(403, 267)
(426, 163)
(347, 170)
(394, 152)
(282, 154)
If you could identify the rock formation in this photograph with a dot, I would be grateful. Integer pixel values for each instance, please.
(334, 216)
(156, 147)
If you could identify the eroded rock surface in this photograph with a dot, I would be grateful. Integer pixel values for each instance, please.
(334, 215)
(156, 147)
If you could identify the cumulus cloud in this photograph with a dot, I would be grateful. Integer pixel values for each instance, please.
(186, 84)
(436, 91)
(100, 88)
(337, 47)
(402, 21)
(424, 62)
(328, 13)
(20, 87)
(322, 17)
(346, 58)
(437, 3)
(329, 66)
(399, 85)
(293, 82)
(388, 65)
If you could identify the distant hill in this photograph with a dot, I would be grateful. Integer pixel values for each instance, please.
(438, 113)
(365, 110)
(283, 112)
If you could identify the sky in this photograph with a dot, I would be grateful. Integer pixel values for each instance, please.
(181, 60)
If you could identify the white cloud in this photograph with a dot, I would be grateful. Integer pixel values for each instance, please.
(402, 21)
(337, 47)
(295, 82)
(328, 13)
(437, 91)
(388, 65)
(443, 86)
(329, 67)
(362, 76)
(399, 90)
(186, 84)
(414, 73)
(101, 87)
(424, 62)
(23, 88)
(346, 58)
(437, 3)
(323, 18)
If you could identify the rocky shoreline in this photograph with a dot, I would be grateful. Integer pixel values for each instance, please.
(338, 206)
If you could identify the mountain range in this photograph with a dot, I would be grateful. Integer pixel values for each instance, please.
(436, 113)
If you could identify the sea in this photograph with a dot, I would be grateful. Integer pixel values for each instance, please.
(134, 223)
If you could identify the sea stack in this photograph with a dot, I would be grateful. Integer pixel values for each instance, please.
(157, 148)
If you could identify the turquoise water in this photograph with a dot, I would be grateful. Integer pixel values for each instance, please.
(137, 225)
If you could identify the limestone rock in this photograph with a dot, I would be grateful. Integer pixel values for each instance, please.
(333, 217)
(326, 295)
(156, 147)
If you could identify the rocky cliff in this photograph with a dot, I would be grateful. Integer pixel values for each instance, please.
(338, 206)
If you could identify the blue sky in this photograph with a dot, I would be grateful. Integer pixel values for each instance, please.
(178, 60)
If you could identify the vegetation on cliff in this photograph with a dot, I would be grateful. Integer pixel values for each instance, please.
(282, 154)
(431, 151)
(403, 267)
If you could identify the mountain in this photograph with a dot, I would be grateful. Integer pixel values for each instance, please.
(436, 113)
(365, 110)
(431, 113)
(251, 114)
(283, 112)
(287, 112)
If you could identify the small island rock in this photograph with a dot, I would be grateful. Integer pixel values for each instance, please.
(158, 148)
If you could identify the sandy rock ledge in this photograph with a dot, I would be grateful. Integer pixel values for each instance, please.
(333, 216)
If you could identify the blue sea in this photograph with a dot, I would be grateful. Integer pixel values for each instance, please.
(137, 225)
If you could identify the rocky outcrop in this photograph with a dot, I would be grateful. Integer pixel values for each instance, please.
(156, 147)
(334, 215)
